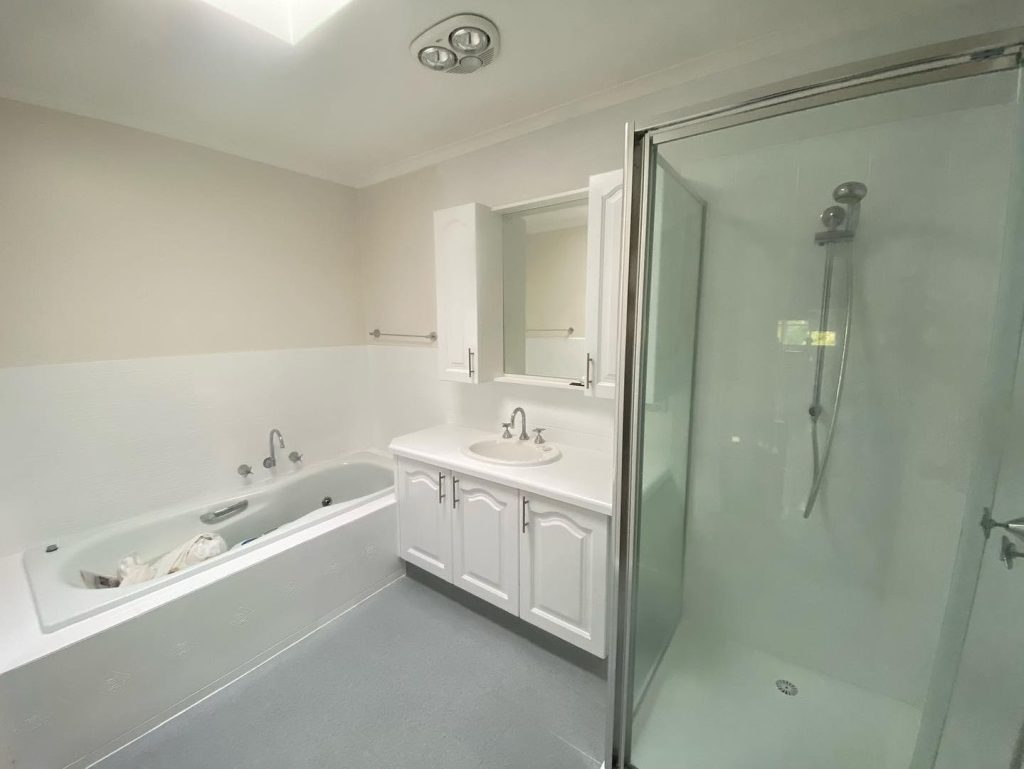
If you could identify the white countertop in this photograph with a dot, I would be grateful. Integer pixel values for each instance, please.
(582, 477)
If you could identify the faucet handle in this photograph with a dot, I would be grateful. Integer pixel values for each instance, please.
(244, 470)
(295, 457)
(507, 433)
(539, 438)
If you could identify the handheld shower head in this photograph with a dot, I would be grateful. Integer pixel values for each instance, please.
(849, 193)
(833, 217)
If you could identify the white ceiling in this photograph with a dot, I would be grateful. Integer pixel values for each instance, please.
(348, 103)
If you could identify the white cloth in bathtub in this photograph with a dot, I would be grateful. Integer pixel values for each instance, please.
(196, 550)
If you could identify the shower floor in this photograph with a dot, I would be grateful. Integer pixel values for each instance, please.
(409, 679)
(715, 703)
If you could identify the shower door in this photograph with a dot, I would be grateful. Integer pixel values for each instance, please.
(784, 606)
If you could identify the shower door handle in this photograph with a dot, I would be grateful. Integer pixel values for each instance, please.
(1009, 552)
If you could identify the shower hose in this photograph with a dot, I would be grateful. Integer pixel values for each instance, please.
(820, 456)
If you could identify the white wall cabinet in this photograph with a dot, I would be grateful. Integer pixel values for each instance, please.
(542, 560)
(424, 518)
(485, 540)
(604, 266)
(562, 571)
(467, 257)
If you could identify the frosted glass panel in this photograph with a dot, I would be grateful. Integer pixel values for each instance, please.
(673, 281)
(810, 642)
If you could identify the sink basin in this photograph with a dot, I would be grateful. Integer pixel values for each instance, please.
(512, 451)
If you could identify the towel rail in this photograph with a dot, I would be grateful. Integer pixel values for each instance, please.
(567, 331)
(432, 336)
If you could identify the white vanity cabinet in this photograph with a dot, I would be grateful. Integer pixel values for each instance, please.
(467, 260)
(543, 560)
(563, 557)
(485, 540)
(604, 267)
(424, 518)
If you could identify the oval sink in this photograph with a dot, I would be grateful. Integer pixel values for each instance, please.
(512, 451)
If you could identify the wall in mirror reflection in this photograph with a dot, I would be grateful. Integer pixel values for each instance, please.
(544, 253)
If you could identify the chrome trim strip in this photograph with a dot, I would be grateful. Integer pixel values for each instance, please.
(837, 77)
(832, 94)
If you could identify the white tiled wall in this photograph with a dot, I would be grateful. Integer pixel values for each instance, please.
(92, 443)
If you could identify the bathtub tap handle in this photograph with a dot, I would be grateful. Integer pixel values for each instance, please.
(295, 457)
(244, 470)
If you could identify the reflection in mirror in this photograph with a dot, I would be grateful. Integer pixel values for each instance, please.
(544, 256)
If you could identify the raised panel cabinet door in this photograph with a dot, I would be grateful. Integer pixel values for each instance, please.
(604, 267)
(485, 540)
(424, 521)
(563, 565)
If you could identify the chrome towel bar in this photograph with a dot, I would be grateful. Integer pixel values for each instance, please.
(432, 336)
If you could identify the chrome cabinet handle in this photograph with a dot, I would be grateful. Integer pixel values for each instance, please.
(455, 500)
(470, 351)
(440, 487)
(525, 522)
(225, 512)
(590, 366)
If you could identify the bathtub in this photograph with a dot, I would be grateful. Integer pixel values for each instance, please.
(263, 515)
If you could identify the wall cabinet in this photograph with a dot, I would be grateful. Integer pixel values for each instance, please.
(604, 267)
(468, 243)
(467, 256)
(542, 560)
(424, 520)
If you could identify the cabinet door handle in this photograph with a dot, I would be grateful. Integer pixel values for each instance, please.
(455, 499)
(590, 366)
(470, 351)
(525, 522)
(440, 487)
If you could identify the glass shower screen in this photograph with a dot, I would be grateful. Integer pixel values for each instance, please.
(761, 636)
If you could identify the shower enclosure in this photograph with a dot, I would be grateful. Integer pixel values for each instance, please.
(818, 411)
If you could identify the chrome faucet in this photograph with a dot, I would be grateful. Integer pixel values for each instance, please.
(522, 423)
(271, 461)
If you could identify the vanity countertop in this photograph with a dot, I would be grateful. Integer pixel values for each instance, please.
(582, 477)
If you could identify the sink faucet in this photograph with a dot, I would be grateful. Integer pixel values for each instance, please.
(522, 423)
(271, 461)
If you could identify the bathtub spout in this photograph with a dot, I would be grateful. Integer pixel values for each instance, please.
(271, 461)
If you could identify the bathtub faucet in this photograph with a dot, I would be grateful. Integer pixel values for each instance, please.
(271, 461)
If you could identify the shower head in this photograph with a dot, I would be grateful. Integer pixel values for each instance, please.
(833, 217)
(849, 192)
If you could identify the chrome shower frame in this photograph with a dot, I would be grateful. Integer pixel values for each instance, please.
(962, 58)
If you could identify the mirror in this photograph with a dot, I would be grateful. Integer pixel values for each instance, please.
(544, 282)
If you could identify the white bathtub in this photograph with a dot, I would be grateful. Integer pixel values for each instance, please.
(275, 509)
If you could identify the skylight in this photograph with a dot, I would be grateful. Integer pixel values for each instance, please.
(289, 20)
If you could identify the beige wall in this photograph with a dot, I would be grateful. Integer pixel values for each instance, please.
(556, 280)
(116, 243)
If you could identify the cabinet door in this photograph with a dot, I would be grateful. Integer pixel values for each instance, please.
(604, 265)
(467, 260)
(424, 522)
(563, 561)
(485, 540)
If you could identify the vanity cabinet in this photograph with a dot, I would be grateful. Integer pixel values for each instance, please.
(424, 519)
(485, 540)
(542, 560)
(467, 257)
(562, 571)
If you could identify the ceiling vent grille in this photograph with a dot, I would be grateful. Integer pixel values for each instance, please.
(459, 45)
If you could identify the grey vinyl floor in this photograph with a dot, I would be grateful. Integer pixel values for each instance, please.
(408, 679)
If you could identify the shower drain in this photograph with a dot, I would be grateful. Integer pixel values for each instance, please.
(786, 687)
